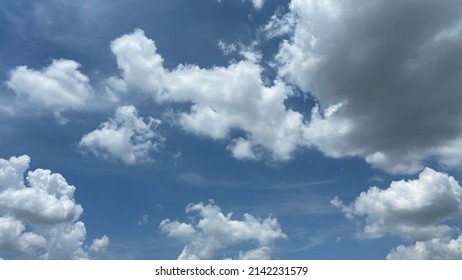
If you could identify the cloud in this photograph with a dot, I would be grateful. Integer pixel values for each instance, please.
(144, 220)
(434, 249)
(39, 215)
(126, 137)
(223, 99)
(257, 4)
(413, 210)
(99, 245)
(394, 68)
(58, 87)
(280, 24)
(49, 199)
(214, 231)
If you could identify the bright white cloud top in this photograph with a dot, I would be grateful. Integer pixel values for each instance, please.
(39, 217)
(126, 137)
(215, 230)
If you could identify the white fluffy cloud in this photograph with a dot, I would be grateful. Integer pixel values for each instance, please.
(100, 244)
(223, 99)
(215, 230)
(126, 137)
(413, 209)
(39, 216)
(395, 68)
(434, 249)
(58, 87)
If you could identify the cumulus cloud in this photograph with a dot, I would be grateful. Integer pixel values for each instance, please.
(39, 215)
(413, 209)
(99, 245)
(126, 137)
(223, 98)
(395, 68)
(214, 231)
(280, 24)
(434, 249)
(58, 87)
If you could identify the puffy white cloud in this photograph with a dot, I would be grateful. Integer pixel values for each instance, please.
(214, 231)
(434, 249)
(126, 137)
(39, 216)
(280, 24)
(223, 98)
(58, 87)
(99, 245)
(141, 66)
(413, 209)
(394, 68)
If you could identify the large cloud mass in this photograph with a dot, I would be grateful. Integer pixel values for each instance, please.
(39, 216)
(214, 231)
(394, 66)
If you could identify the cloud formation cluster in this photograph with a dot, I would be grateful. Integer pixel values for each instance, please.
(413, 210)
(386, 78)
(223, 99)
(214, 231)
(39, 217)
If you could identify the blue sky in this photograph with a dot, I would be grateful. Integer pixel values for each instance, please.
(245, 129)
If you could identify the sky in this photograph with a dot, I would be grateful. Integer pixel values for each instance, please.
(230, 129)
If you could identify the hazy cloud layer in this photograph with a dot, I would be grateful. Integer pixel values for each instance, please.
(39, 215)
(213, 231)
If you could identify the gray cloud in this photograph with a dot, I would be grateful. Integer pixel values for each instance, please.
(395, 66)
